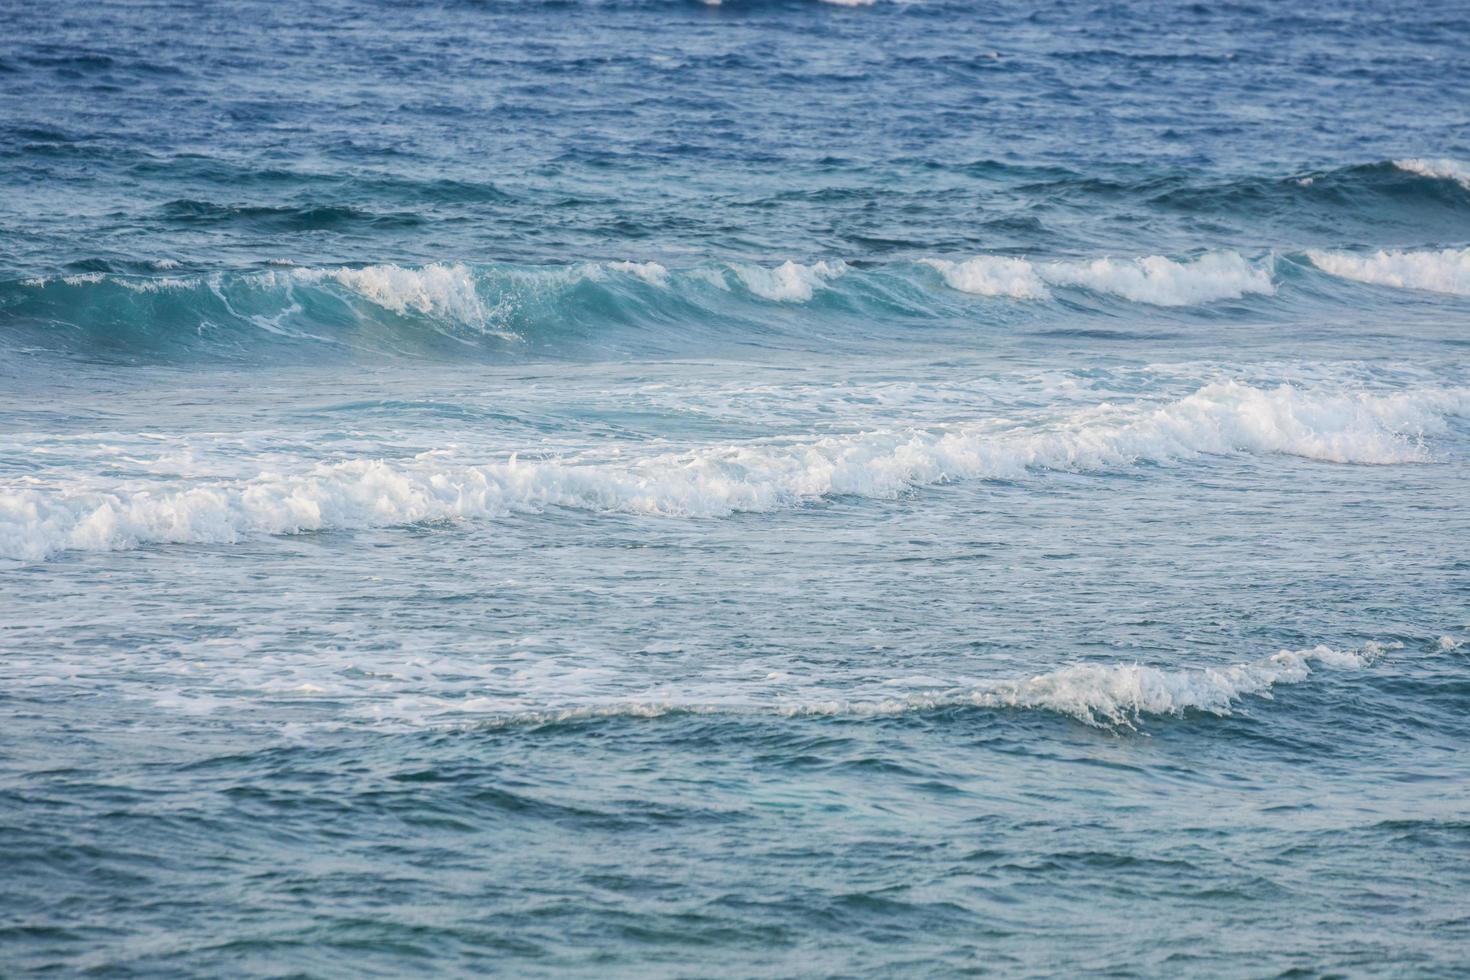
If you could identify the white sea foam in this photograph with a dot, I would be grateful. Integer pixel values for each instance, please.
(1164, 282)
(1442, 169)
(158, 285)
(444, 291)
(1103, 695)
(1440, 271)
(37, 520)
(790, 281)
(1122, 693)
(1151, 279)
(434, 290)
(992, 275)
(650, 272)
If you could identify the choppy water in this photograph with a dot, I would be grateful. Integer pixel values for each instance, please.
(644, 488)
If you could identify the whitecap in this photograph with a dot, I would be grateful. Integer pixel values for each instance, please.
(789, 282)
(1439, 271)
(437, 289)
(718, 480)
(1116, 695)
(1151, 279)
(1160, 281)
(652, 273)
(1441, 169)
(992, 275)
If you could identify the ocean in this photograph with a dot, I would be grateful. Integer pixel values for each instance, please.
(794, 489)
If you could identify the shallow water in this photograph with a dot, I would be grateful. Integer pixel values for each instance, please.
(755, 489)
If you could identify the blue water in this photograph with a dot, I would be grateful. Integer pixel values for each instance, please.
(759, 489)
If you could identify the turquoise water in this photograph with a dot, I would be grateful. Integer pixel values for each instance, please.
(790, 489)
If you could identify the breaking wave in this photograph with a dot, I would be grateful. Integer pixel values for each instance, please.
(39, 519)
(789, 281)
(992, 275)
(447, 307)
(1101, 695)
(1151, 279)
(453, 309)
(1441, 169)
(1439, 271)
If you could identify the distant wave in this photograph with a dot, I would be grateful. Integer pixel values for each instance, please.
(1102, 695)
(835, 3)
(718, 480)
(1402, 192)
(1440, 271)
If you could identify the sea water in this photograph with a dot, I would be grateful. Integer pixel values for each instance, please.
(762, 488)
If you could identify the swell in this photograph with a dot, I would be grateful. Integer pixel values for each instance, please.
(43, 516)
(1404, 192)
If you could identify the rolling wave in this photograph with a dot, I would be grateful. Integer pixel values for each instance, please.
(452, 308)
(1441, 169)
(1152, 279)
(39, 518)
(1116, 696)
(1433, 270)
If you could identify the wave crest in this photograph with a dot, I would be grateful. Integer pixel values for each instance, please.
(436, 290)
(1159, 281)
(1440, 169)
(1442, 271)
(1117, 696)
(992, 275)
(1151, 279)
(790, 281)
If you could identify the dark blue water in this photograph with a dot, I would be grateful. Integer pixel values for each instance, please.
(755, 489)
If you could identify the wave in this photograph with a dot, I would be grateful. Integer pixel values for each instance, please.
(1151, 279)
(1439, 271)
(506, 310)
(441, 291)
(789, 281)
(1101, 695)
(285, 218)
(1413, 196)
(1162, 282)
(1441, 169)
(835, 3)
(650, 272)
(443, 308)
(992, 275)
(716, 481)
